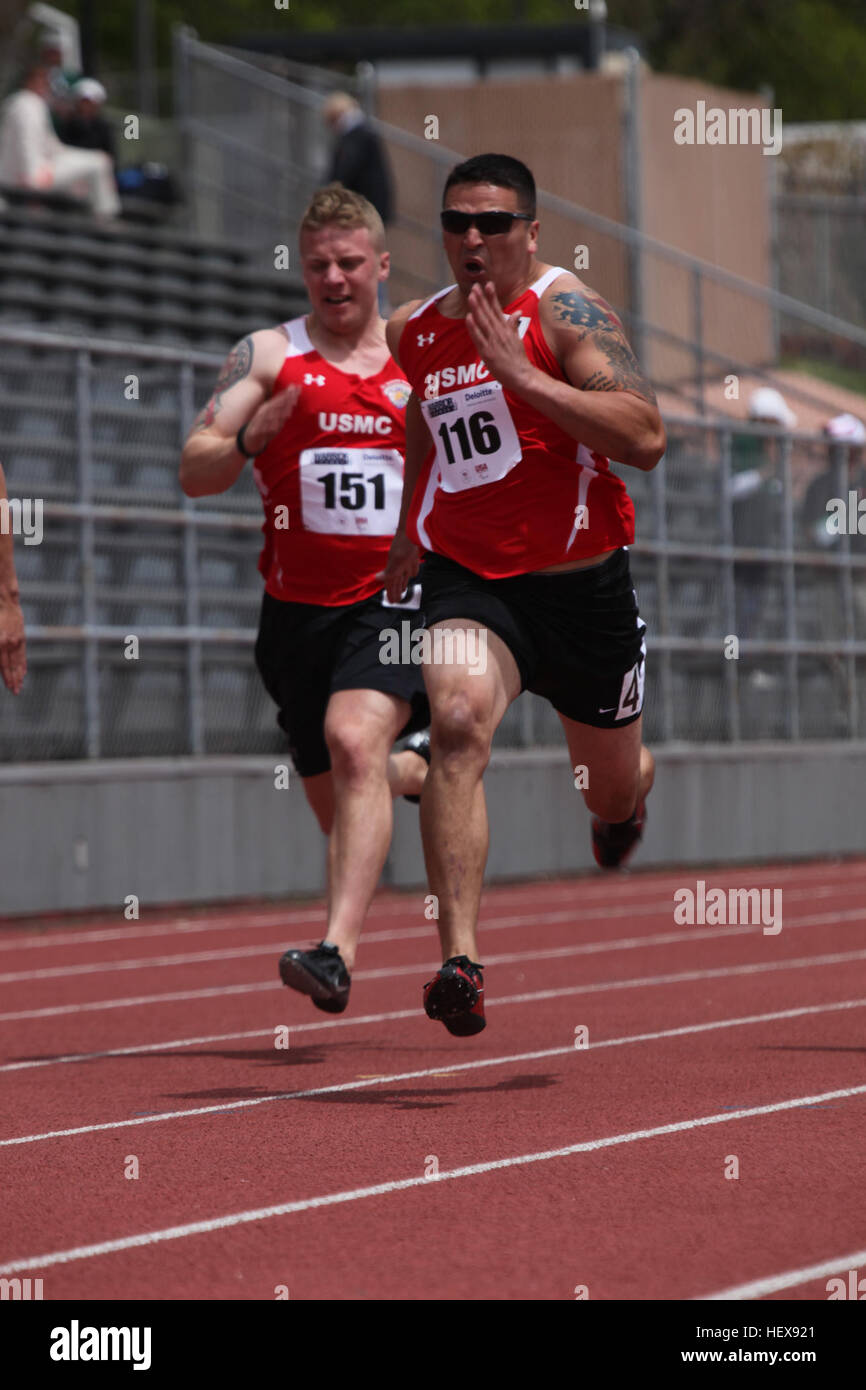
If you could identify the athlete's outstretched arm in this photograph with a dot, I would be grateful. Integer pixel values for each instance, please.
(606, 403)
(13, 651)
(404, 556)
(211, 461)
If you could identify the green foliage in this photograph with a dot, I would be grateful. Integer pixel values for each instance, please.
(811, 52)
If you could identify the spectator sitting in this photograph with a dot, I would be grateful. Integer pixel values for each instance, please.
(756, 496)
(31, 156)
(846, 436)
(86, 127)
(60, 78)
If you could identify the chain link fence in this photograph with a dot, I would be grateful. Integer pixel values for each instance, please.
(756, 610)
(821, 252)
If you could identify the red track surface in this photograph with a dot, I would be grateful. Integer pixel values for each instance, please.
(688, 1027)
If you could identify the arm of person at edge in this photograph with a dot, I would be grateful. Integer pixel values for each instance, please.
(404, 557)
(243, 397)
(13, 650)
(606, 402)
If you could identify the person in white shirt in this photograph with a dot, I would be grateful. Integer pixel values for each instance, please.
(31, 156)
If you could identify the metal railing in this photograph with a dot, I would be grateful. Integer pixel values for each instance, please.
(256, 150)
(821, 251)
(732, 544)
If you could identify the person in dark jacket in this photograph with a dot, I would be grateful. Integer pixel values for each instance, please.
(358, 161)
(86, 127)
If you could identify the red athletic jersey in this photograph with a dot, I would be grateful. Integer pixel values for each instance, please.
(503, 490)
(332, 479)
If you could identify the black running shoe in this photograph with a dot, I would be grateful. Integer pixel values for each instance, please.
(613, 843)
(455, 996)
(419, 743)
(320, 973)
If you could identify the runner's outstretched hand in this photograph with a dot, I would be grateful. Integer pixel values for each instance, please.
(13, 650)
(404, 561)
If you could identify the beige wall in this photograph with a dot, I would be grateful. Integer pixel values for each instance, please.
(711, 201)
(708, 200)
(555, 126)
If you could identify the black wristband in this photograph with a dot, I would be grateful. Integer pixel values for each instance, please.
(239, 442)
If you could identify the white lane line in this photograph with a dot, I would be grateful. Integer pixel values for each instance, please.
(221, 1223)
(172, 1044)
(360, 1084)
(760, 1288)
(559, 952)
(583, 892)
(582, 948)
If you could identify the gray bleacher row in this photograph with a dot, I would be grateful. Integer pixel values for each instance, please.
(145, 548)
(129, 282)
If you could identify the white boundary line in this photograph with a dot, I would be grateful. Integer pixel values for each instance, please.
(582, 892)
(220, 1223)
(760, 1288)
(361, 1084)
(539, 919)
(395, 1015)
(386, 972)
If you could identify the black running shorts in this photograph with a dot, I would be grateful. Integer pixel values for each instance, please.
(576, 636)
(305, 652)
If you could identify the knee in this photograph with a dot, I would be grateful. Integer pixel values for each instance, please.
(355, 751)
(462, 728)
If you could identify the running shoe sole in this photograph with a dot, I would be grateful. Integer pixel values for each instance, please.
(450, 1000)
(294, 974)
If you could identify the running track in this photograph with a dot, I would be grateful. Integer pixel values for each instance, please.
(600, 1167)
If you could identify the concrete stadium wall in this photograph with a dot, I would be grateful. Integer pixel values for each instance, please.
(80, 835)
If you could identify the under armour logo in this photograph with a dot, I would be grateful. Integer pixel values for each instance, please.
(422, 340)
(311, 380)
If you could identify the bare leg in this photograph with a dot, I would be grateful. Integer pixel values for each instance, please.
(360, 727)
(620, 769)
(466, 708)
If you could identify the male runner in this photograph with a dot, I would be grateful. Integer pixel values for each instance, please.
(320, 405)
(527, 526)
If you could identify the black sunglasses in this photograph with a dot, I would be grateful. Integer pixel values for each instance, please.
(488, 223)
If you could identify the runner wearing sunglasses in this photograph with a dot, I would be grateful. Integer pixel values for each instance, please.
(523, 387)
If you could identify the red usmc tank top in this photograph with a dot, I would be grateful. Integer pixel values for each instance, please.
(332, 479)
(503, 490)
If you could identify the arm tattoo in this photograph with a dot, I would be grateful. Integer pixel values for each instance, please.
(585, 309)
(625, 375)
(236, 366)
(593, 317)
(599, 381)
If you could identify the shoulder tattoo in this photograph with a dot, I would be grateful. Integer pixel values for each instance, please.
(593, 317)
(236, 366)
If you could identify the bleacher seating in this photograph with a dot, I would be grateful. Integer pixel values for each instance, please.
(61, 270)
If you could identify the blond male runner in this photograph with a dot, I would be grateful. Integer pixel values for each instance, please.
(510, 490)
(320, 405)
